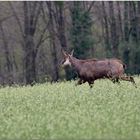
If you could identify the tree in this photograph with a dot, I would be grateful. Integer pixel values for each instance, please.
(126, 52)
(106, 28)
(120, 21)
(31, 12)
(55, 74)
(61, 29)
(60, 23)
(9, 65)
(81, 35)
(126, 21)
(138, 17)
(133, 21)
(113, 28)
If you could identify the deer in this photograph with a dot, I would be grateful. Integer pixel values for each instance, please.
(89, 70)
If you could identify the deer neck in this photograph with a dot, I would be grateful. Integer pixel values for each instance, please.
(75, 63)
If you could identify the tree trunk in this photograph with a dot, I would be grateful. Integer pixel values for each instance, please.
(106, 36)
(6, 51)
(126, 34)
(55, 73)
(114, 35)
(120, 20)
(133, 20)
(126, 21)
(138, 17)
(61, 24)
(30, 68)
(9, 77)
(60, 21)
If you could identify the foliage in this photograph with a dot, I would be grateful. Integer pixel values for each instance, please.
(65, 111)
(81, 34)
(32, 35)
(130, 56)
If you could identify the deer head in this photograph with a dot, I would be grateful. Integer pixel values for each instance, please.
(67, 58)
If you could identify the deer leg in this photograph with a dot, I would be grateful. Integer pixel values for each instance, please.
(80, 81)
(117, 80)
(128, 78)
(113, 79)
(91, 83)
(133, 81)
(110, 77)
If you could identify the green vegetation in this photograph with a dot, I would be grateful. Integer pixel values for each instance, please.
(81, 34)
(64, 111)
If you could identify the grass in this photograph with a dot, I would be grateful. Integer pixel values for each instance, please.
(64, 111)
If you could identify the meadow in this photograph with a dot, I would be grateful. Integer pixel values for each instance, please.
(65, 111)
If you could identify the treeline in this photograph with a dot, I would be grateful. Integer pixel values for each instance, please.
(32, 35)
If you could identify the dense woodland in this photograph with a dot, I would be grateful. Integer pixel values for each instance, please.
(32, 35)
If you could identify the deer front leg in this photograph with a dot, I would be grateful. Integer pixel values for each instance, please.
(115, 80)
(91, 83)
(80, 81)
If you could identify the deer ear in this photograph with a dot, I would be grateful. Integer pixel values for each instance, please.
(64, 53)
(72, 52)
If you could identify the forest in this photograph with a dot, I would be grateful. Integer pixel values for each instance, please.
(32, 35)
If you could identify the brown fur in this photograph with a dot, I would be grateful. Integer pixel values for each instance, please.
(92, 69)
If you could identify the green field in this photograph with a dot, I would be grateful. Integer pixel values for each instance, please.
(64, 111)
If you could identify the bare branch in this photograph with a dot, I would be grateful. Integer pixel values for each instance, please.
(5, 18)
(90, 7)
(36, 16)
(42, 39)
(6, 51)
(17, 18)
(44, 15)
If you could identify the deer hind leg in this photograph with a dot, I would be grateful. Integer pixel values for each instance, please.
(91, 83)
(129, 78)
(115, 79)
(80, 81)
